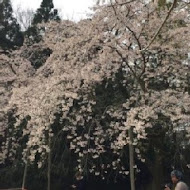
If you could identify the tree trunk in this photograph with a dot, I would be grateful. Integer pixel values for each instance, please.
(25, 171)
(157, 171)
(24, 176)
(131, 159)
(49, 165)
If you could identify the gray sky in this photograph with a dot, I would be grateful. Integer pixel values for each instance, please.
(70, 9)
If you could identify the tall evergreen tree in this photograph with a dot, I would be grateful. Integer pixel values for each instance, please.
(10, 33)
(46, 12)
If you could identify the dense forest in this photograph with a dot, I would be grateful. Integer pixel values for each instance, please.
(103, 102)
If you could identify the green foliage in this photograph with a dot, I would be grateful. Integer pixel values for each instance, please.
(162, 3)
(38, 56)
(110, 93)
(45, 13)
(32, 35)
(10, 34)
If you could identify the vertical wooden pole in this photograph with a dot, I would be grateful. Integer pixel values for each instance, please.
(131, 159)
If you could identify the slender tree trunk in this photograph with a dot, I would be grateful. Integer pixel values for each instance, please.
(24, 176)
(25, 171)
(131, 159)
(49, 165)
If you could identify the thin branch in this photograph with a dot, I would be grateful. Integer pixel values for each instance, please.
(131, 69)
(161, 26)
(136, 39)
(120, 4)
(124, 60)
(11, 67)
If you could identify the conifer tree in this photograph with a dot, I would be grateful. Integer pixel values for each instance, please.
(10, 34)
(46, 12)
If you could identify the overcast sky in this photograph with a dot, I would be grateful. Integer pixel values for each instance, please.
(70, 9)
